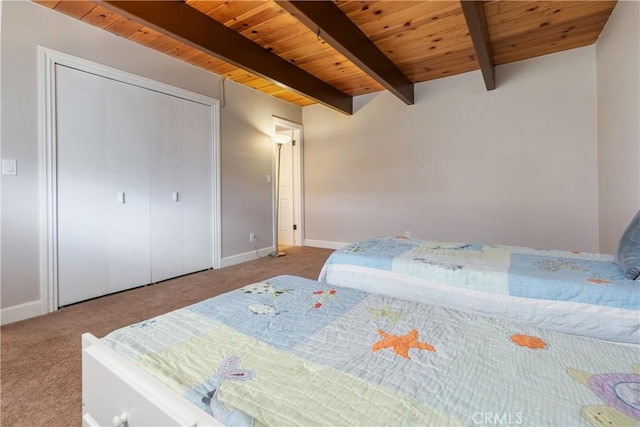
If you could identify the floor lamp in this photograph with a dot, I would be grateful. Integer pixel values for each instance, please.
(280, 140)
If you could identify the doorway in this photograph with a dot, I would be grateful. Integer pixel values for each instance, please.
(290, 226)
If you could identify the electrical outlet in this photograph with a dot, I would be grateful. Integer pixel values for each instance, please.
(407, 234)
(252, 237)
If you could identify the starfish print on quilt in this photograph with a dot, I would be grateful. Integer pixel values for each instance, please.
(401, 343)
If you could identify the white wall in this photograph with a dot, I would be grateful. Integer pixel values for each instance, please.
(246, 161)
(245, 145)
(516, 165)
(618, 76)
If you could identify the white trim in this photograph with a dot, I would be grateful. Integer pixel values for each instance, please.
(48, 180)
(324, 244)
(1, 4)
(244, 257)
(61, 58)
(22, 312)
(48, 59)
(217, 197)
(298, 178)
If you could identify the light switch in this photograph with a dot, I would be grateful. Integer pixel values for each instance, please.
(9, 167)
(268, 179)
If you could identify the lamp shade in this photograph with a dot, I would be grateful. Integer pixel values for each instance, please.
(280, 138)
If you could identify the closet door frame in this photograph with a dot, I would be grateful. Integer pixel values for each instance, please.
(47, 61)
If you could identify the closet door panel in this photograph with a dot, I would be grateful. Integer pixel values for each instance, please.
(197, 183)
(128, 178)
(165, 151)
(82, 213)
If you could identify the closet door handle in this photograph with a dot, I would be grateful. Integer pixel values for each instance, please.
(121, 198)
(176, 197)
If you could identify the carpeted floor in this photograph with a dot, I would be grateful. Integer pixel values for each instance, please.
(40, 365)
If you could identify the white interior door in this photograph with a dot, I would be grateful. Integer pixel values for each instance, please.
(290, 224)
(197, 204)
(286, 202)
(165, 143)
(82, 213)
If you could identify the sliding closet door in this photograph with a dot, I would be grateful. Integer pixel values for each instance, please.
(128, 186)
(83, 193)
(103, 186)
(166, 192)
(135, 184)
(181, 186)
(197, 183)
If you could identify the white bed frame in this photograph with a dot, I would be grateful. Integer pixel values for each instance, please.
(117, 392)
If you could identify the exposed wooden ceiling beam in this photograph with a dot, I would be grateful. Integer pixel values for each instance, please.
(477, 22)
(182, 22)
(333, 26)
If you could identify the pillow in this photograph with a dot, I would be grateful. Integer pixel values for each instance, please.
(628, 255)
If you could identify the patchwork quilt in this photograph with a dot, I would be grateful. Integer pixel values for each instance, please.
(574, 292)
(291, 351)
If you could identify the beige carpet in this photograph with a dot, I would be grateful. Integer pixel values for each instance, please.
(40, 367)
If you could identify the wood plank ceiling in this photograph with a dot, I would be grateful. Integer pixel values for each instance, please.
(322, 51)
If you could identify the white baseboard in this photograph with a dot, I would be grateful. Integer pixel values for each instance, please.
(324, 244)
(250, 256)
(36, 308)
(21, 312)
(247, 256)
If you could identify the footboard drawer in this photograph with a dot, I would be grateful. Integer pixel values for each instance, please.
(117, 392)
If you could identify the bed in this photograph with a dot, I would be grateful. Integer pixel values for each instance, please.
(580, 293)
(291, 351)
(395, 332)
